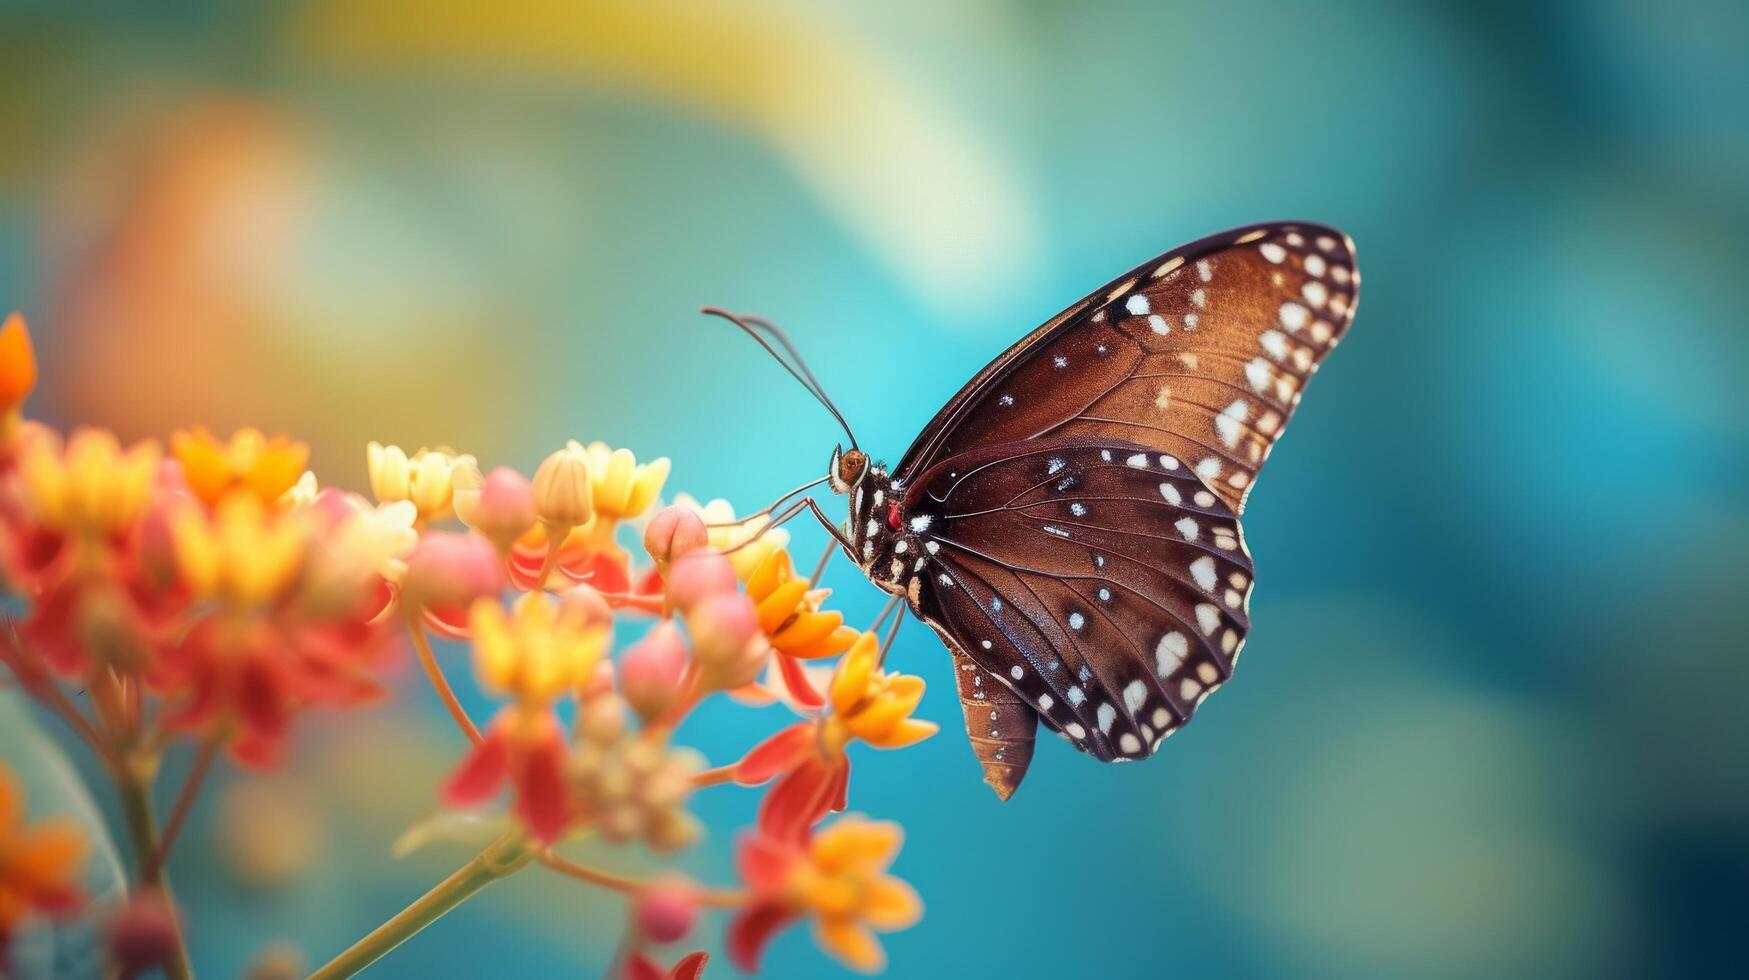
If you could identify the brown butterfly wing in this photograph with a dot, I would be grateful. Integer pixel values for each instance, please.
(1202, 353)
(1101, 584)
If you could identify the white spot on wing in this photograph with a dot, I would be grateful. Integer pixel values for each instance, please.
(1134, 695)
(1170, 652)
(1170, 492)
(1273, 252)
(1186, 527)
(1208, 617)
(1107, 714)
(1137, 304)
(1293, 316)
(1203, 570)
(1139, 461)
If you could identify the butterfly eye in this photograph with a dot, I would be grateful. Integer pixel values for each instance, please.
(851, 466)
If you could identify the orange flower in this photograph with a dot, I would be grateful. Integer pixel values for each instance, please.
(38, 864)
(839, 879)
(809, 759)
(789, 611)
(265, 468)
(17, 366)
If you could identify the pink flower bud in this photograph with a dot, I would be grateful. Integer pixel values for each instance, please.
(599, 681)
(726, 642)
(142, 936)
(698, 576)
(449, 571)
(584, 604)
(651, 670)
(666, 910)
(501, 506)
(673, 532)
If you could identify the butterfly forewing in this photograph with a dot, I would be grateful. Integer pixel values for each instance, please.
(1202, 353)
(1105, 586)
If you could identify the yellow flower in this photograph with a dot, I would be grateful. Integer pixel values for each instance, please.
(39, 864)
(733, 539)
(539, 651)
(93, 487)
(872, 705)
(244, 554)
(426, 478)
(789, 611)
(250, 461)
(621, 488)
(563, 489)
(843, 884)
(17, 364)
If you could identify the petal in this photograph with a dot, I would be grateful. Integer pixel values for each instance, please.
(691, 966)
(763, 863)
(795, 680)
(774, 755)
(46, 857)
(540, 790)
(850, 685)
(780, 605)
(910, 731)
(852, 943)
(799, 800)
(891, 904)
(640, 967)
(750, 931)
(481, 773)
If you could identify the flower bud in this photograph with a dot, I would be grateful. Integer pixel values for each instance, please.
(143, 936)
(561, 490)
(698, 576)
(726, 642)
(667, 909)
(674, 532)
(601, 721)
(586, 605)
(651, 670)
(449, 571)
(499, 506)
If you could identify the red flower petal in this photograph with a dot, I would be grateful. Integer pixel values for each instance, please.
(481, 773)
(642, 968)
(779, 753)
(750, 931)
(540, 789)
(451, 624)
(690, 967)
(801, 799)
(795, 678)
(763, 862)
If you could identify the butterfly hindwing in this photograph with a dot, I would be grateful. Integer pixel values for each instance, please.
(1202, 353)
(1102, 583)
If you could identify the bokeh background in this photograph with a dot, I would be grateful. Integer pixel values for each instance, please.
(1490, 719)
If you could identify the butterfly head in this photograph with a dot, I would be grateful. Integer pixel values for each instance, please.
(847, 470)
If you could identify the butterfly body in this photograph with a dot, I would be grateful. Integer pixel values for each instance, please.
(1068, 523)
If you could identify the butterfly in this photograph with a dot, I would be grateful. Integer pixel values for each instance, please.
(1068, 523)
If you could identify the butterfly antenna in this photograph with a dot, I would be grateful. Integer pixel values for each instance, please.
(753, 326)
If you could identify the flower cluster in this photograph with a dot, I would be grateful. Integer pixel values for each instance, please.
(200, 578)
(544, 578)
(207, 591)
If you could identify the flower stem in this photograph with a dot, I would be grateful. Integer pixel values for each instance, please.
(191, 785)
(714, 777)
(725, 898)
(133, 783)
(502, 858)
(440, 683)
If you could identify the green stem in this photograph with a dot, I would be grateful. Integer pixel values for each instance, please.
(133, 782)
(504, 857)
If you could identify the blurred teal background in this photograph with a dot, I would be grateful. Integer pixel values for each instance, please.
(1490, 720)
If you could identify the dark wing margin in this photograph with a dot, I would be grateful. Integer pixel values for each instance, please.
(1100, 583)
(1202, 353)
